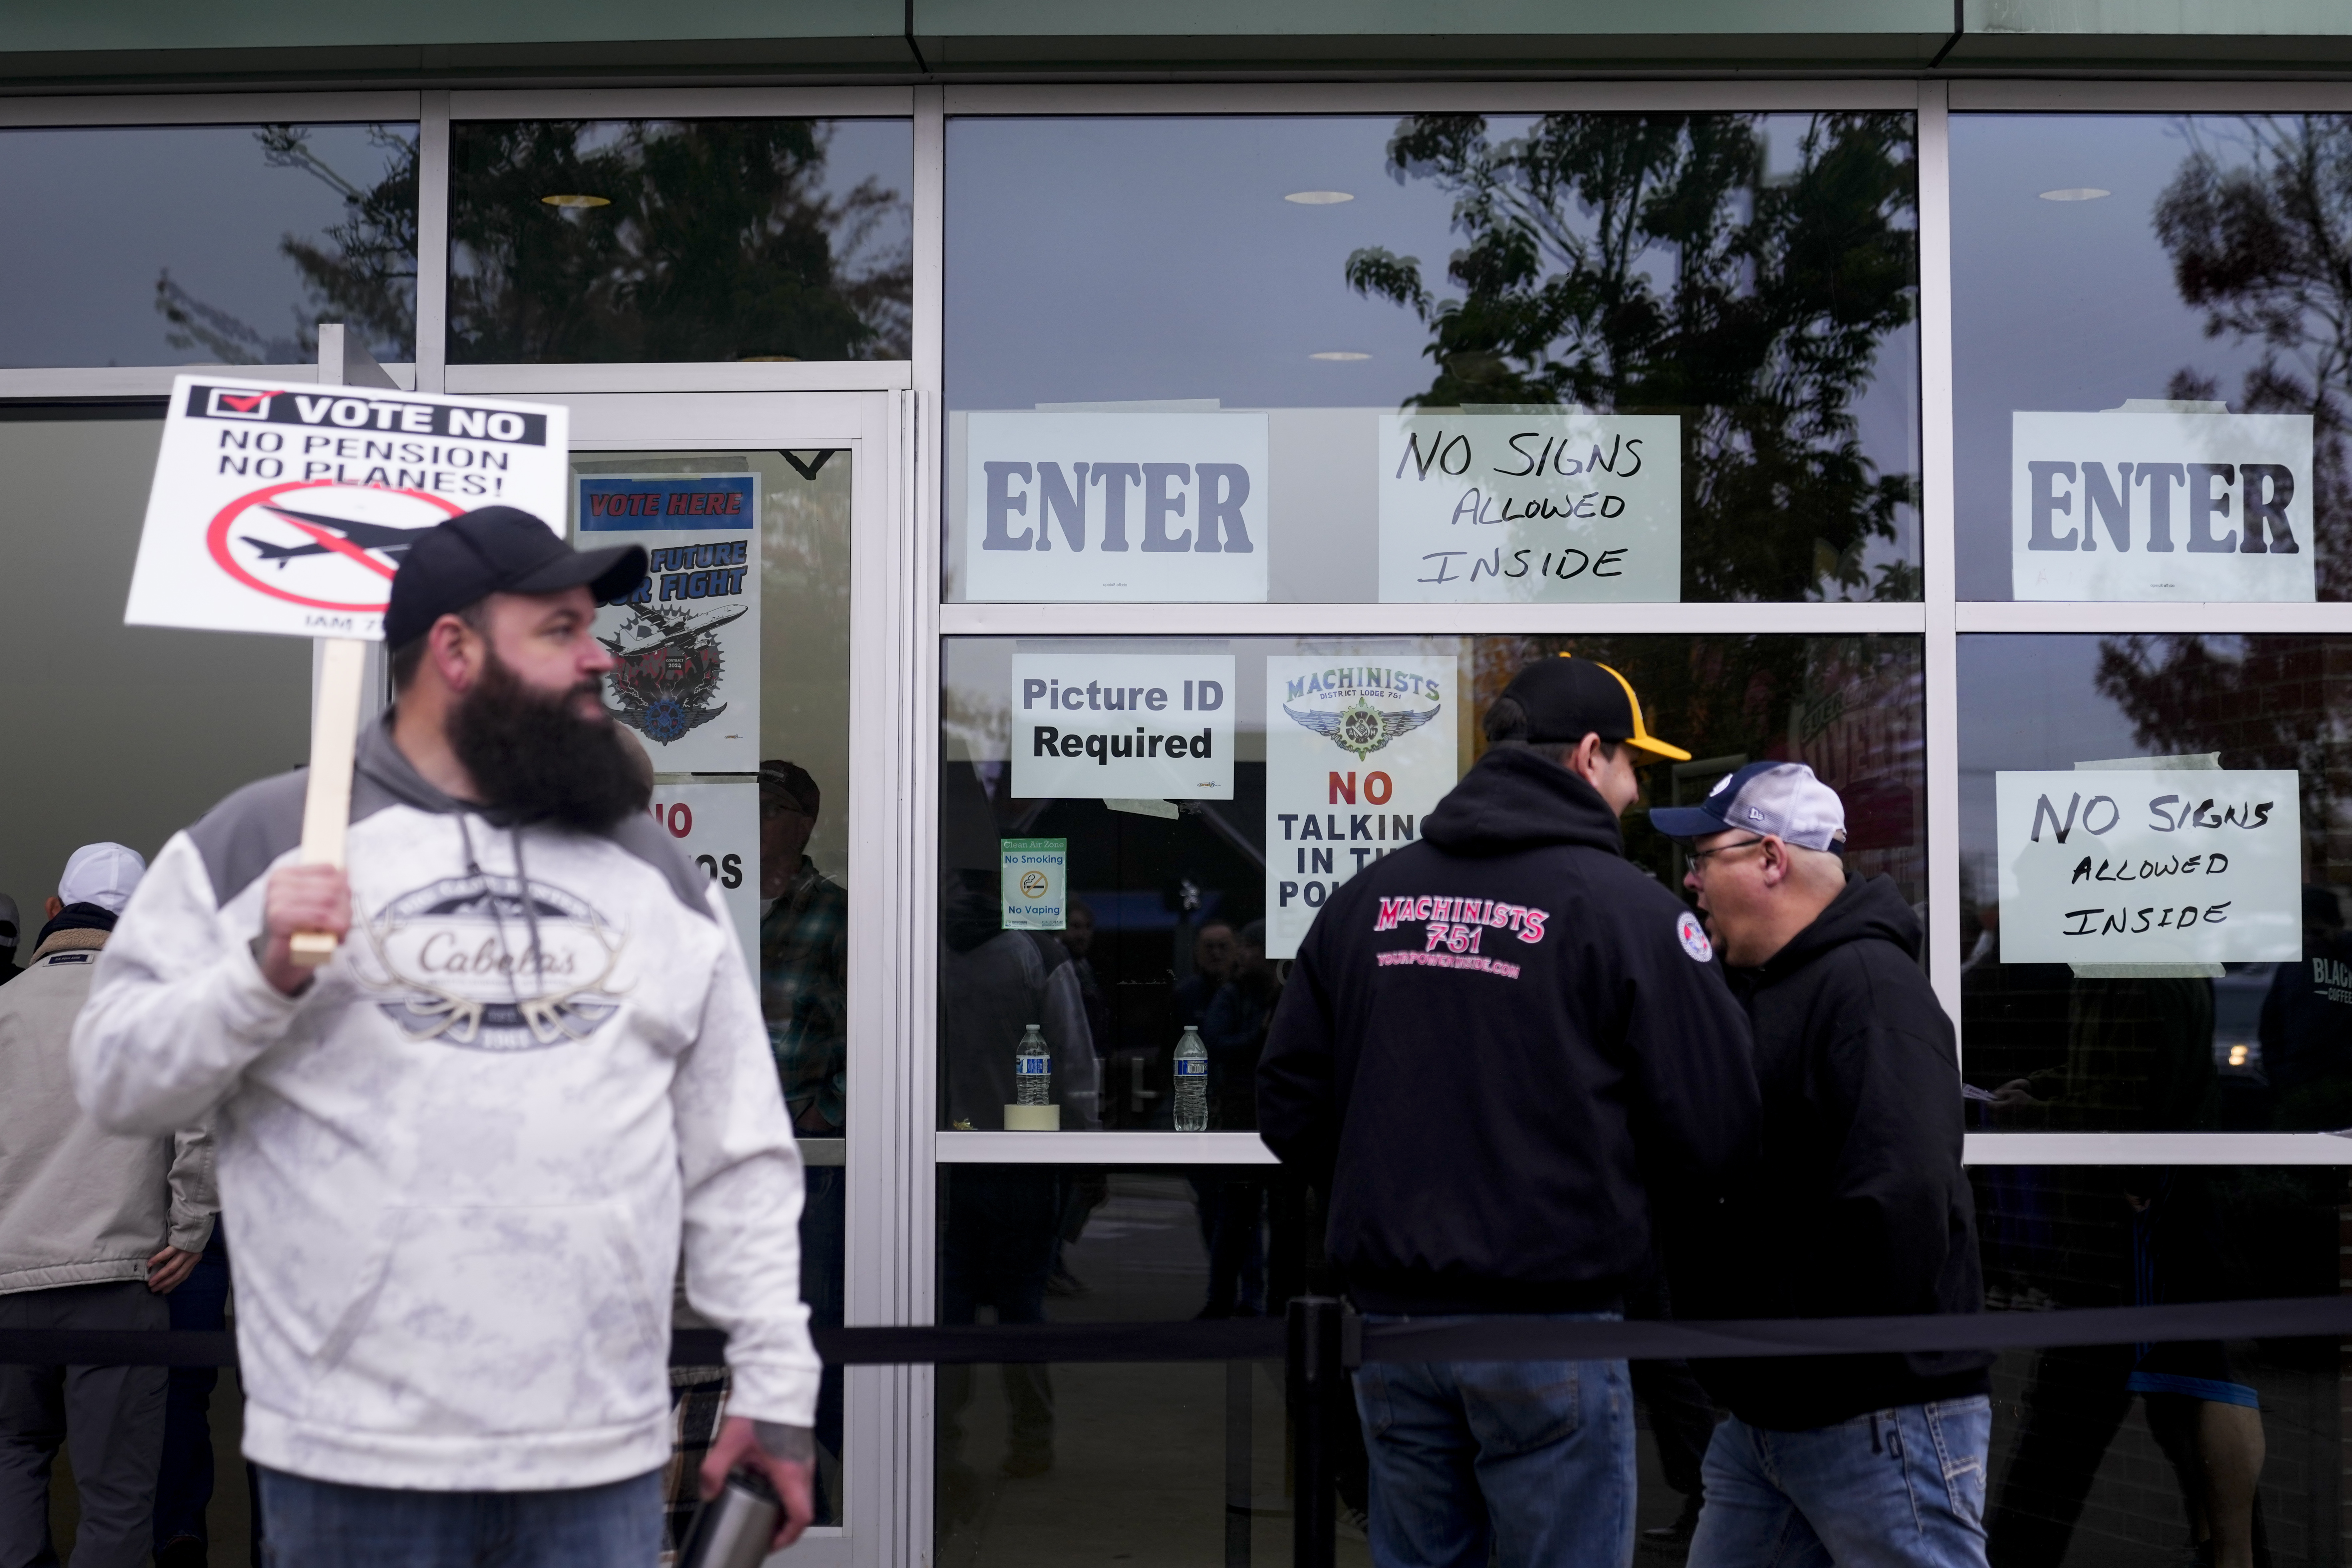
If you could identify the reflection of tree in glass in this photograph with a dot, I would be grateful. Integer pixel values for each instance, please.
(717, 241)
(1784, 698)
(2262, 240)
(1640, 262)
(2271, 702)
(361, 271)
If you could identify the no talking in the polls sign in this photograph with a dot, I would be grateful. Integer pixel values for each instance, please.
(286, 509)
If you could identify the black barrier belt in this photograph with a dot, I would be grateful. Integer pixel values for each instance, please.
(1559, 1339)
(1246, 1339)
(1389, 1340)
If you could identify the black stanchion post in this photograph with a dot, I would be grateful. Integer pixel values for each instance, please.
(1319, 1394)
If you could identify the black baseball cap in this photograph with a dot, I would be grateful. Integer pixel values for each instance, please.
(496, 550)
(1566, 699)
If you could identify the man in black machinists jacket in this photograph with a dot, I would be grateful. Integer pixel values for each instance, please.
(1501, 1051)
(1861, 1208)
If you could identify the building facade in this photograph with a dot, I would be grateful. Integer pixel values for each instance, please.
(1154, 435)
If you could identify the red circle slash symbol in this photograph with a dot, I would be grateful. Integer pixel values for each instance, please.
(339, 540)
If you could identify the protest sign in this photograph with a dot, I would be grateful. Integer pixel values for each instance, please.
(2161, 865)
(1166, 506)
(1036, 883)
(287, 509)
(1096, 726)
(1521, 507)
(2162, 504)
(1355, 754)
(687, 638)
(717, 825)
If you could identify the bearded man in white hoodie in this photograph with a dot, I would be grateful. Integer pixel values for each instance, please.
(464, 1154)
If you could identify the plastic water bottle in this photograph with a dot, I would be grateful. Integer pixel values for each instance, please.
(1191, 1082)
(1033, 1069)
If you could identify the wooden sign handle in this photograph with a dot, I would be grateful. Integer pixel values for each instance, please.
(327, 808)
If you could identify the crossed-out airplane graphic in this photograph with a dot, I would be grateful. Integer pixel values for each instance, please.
(361, 536)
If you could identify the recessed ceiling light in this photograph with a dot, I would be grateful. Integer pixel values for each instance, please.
(2076, 194)
(1319, 198)
(1339, 354)
(571, 200)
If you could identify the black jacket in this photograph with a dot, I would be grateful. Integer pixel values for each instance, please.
(1496, 1048)
(1861, 1208)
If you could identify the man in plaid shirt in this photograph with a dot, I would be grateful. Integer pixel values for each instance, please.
(803, 954)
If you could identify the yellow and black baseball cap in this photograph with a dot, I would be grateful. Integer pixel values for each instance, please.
(1566, 699)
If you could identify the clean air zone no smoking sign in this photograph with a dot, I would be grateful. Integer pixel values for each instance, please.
(288, 510)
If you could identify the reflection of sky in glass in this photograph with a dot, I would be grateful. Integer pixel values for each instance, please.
(1109, 260)
(2030, 704)
(96, 216)
(2063, 305)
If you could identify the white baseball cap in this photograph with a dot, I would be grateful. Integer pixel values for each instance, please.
(1783, 799)
(101, 874)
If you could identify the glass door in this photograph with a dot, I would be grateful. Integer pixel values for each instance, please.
(738, 670)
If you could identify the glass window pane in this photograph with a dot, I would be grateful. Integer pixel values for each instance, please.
(2140, 302)
(141, 730)
(2155, 951)
(764, 809)
(2136, 1453)
(205, 245)
(577, 241)
(1723, 304)
(1150, 913)
(1036, 1461)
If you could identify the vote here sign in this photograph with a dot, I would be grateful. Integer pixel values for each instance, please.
(1123, 726)
(2168, 866)
(287, 509)
(2162, 505)
(1166, 507)
(1530, 507)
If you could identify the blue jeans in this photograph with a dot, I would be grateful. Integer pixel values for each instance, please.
(1529, 1461)
(1902, 1486)
(325, 1524)
(183, 1487)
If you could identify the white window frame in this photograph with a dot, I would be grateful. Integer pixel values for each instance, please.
(1938, 618)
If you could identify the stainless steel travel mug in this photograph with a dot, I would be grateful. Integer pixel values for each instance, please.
(733, 1529)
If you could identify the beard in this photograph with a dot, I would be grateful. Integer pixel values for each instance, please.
(532, 755)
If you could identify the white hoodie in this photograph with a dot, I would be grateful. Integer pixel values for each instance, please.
(457, 1178)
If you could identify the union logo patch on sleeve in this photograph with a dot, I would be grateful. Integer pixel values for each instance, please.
(1693, 937)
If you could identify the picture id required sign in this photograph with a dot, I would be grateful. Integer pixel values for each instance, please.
(1123, 726)
(2162, 505)
(1036, 883)
(1117, 506)
(2165, 866)
(1357, 753)
(687, 640)
(1533, 508)
(287, 509)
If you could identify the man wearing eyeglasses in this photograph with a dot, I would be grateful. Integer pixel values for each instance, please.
(1860, 1207)
(1507, 1057)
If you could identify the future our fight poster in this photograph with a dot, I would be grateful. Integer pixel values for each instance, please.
(687, 639)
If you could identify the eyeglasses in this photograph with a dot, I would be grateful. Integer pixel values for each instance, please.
(1698, 857)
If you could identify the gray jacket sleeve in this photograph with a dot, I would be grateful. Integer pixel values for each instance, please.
(196, 1199)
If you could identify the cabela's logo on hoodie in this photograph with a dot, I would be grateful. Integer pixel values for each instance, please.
(492, 964)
